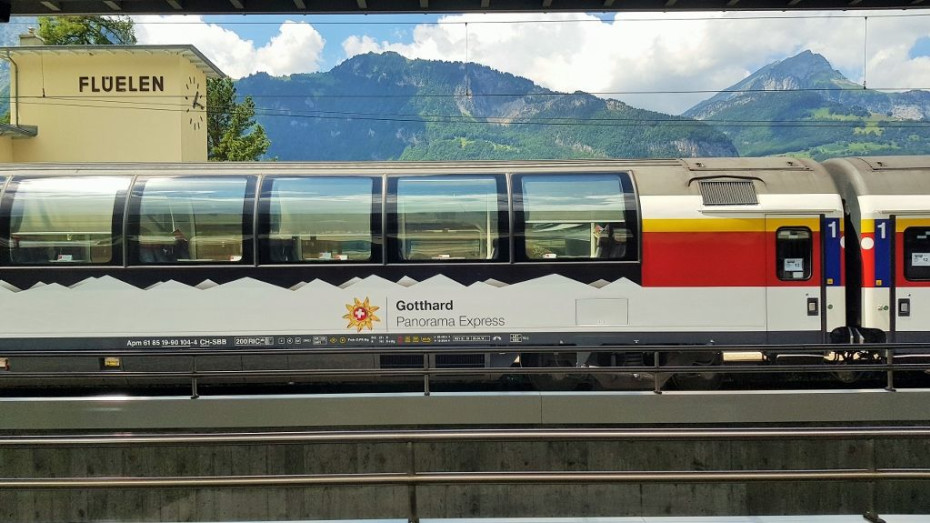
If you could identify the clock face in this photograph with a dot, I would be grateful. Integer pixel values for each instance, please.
(196, 99)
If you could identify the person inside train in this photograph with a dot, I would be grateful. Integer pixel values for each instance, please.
(611, 243)
(182, 250)
(166, 252)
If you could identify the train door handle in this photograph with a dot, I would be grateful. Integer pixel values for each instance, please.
(813, 307)
(904, 307)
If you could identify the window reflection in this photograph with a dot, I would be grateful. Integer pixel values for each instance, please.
(186, 220)
(65, 220)
(319, 220)
(448, 218)
(576, 217)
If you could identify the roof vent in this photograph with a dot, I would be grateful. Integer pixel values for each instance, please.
(728, 193)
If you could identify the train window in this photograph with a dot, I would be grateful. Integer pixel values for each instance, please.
(576, 217)
(66, 220)
(447, 218)
(793, 251)
(917, 253)
(189, 220)
(318, 220)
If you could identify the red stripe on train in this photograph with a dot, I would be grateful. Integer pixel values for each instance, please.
(867, 252)
(717, 259)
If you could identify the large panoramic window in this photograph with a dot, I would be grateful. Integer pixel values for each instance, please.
(447, 218)
(189, 220)
(318, 220)
(65, 220)
(576, 217)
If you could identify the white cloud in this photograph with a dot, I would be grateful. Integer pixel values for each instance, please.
(356, 45)
(661, 61)
(672, 59)
(889, 43)
(296, 48)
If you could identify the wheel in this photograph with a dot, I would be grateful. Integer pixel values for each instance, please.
(697, 380)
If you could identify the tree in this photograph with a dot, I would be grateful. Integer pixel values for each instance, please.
(87, 30)
(232, 134)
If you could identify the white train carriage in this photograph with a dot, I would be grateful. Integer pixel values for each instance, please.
(502, 255)
(888, 203)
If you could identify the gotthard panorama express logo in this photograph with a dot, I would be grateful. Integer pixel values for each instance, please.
(361, 315)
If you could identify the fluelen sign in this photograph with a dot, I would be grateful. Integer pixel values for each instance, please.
(121, 84)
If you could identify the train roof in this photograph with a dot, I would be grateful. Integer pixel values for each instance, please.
(769, 175)
(882, 175)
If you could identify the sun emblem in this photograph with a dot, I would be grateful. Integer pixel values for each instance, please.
(361, 315)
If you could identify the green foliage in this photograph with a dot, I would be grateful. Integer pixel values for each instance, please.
(87, 30)
(809, 125)
(232, 134)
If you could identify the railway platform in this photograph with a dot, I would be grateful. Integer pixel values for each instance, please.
(457, 409)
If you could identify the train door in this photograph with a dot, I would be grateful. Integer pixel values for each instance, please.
(910, 286)
(795, 286)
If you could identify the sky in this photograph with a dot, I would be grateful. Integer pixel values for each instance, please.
(661, 61)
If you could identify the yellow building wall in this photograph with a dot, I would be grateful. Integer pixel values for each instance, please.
(194, 118)
(6, 149)
(108, 107)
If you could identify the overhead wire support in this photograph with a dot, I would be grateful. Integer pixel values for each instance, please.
(865, 53)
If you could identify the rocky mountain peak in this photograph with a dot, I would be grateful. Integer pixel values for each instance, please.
(805, 70)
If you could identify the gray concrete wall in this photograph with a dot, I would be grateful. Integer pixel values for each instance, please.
(488, 500)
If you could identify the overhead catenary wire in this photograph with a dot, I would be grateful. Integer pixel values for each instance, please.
(597, 94)
(531, 121)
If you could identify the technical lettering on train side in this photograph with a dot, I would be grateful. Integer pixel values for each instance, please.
(255, 341)
(179, 343)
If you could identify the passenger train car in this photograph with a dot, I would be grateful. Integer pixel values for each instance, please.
(888, 204)
(503, 255)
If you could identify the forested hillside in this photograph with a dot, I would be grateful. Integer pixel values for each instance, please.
(386, 107)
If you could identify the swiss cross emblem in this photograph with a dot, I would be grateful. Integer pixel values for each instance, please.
(361, 315)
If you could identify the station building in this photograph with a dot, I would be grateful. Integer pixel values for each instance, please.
(139, 103)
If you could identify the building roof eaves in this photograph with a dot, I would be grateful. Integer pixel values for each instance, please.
(188, 51)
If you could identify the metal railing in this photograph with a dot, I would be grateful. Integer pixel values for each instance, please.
(463, 435)
(888, 359)
(451, 478)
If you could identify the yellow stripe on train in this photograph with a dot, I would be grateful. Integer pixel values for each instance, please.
(901, 224)
(728, 224)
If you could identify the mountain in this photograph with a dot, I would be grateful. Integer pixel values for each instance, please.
(801, 105)
(386, 107)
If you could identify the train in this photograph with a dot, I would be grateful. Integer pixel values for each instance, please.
(283, 256)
